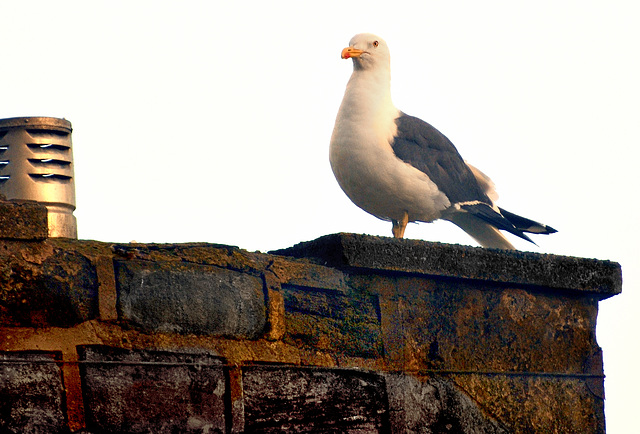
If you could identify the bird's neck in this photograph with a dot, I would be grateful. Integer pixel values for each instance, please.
(369, 92)
(367, 103)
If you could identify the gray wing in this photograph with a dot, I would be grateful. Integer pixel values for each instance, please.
(428, 150)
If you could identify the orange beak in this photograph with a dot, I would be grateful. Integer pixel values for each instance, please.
(351, 52)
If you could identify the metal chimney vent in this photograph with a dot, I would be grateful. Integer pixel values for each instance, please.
(36, 163)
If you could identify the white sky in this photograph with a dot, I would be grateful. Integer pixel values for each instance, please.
(210, 121)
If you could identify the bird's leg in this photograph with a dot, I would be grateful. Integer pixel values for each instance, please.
(400, 226)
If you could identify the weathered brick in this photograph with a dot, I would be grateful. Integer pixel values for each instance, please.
(42, 286)
(342, 321)
(435, 405)
(31, 393)
(280, 399)
(23, 220)
(538, 404)
(142, 391)
(190, 298)
(439, 323)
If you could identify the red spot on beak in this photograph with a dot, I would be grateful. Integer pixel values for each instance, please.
(350, 52)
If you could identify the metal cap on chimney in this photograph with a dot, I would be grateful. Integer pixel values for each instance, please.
(36, 163)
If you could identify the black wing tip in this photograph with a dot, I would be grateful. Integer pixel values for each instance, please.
(522, 235)
(527, 225)
(485, 212)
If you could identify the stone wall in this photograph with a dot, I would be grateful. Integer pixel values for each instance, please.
(347, 333)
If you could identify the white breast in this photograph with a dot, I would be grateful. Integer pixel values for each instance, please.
(366, 167)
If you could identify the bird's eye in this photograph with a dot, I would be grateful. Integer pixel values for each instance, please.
(376, 43)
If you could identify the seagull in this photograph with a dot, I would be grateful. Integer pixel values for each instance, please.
(401, 169)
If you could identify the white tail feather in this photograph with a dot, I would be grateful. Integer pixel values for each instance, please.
(481, 231)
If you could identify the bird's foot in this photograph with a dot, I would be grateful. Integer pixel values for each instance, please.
(400, 225)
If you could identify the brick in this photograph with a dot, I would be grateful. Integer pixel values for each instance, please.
(31, 393)
(142, 391)
(41, 286)
(536, 404)
(23, 220)
(190, 298)
(306, 400)
(439, 323)
(435, 405)
(333, 320)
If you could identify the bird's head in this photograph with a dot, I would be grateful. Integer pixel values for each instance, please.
(368, 51)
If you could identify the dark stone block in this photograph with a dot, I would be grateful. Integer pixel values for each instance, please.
(49, 288)
(312, 400)
(31, 393)
(23, 220)
(141, 391)
(601, 278)
(190, 298)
